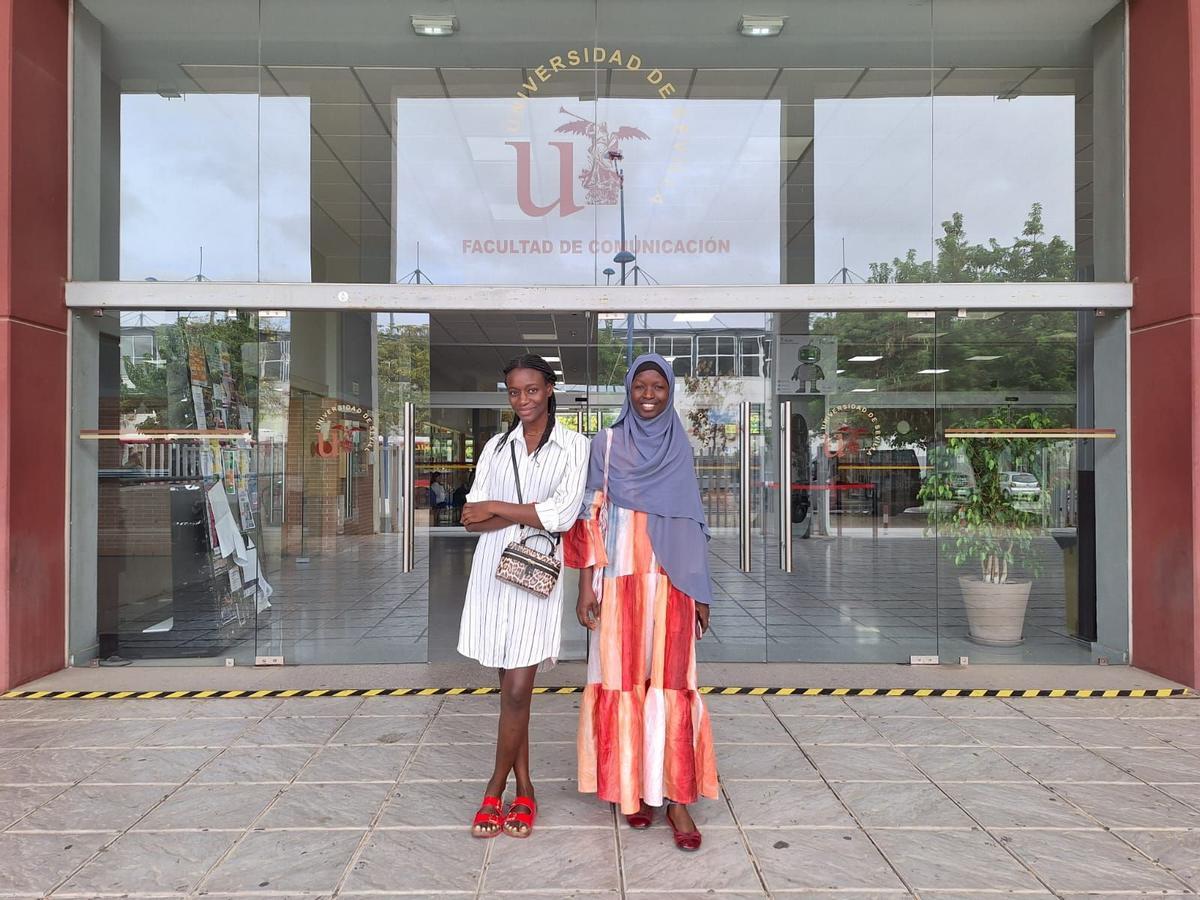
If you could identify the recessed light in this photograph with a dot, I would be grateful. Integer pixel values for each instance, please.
(865, 358)
(761, 26)
(693, 317)
(981, 358)
(539, 337)
(840, 371)
(933, 371)
(862, 390)
(435, 26)
(557, 359)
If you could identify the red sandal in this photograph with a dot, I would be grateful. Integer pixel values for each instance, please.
(490, 813)
(684, 840)
(522, 818)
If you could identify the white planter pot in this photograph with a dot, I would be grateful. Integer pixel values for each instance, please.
(995, 612)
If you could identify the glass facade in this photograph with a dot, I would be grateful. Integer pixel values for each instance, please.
(258, 484)
(249, 475)
(928, 140)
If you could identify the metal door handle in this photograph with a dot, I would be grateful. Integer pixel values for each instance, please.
(744, 486)
(408, 489)
(785, 486)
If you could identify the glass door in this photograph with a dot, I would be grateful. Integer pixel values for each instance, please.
(856, 579)
(343, 556)
(724, 398)
(468, 406)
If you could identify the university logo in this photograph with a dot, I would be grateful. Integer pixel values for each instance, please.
(343, 428)
(599, 178)
(850, 430)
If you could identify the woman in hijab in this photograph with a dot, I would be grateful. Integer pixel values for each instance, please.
(644, 591)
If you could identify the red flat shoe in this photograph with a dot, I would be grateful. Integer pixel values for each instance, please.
(685, 840)
(490, 813)
(522, 818)
(642, 819)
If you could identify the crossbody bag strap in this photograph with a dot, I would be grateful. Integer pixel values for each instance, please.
(516, 473)
(521, 498)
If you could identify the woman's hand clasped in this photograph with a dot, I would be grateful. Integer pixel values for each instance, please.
(474, 513)
(701, 619)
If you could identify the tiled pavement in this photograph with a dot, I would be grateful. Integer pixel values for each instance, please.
(855, 798)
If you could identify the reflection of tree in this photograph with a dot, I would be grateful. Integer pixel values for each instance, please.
(611, 355)
(403, 372)
(146, 395)
(705, 395)
(1034, 351)
(1029, 258)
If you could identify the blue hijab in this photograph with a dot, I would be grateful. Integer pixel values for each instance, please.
(651, 470)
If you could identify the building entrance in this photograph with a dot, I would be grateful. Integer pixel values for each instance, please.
(287, 486)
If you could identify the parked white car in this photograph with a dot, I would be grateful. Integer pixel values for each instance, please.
(1020, 486)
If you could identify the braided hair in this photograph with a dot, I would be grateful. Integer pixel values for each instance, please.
(537, 364)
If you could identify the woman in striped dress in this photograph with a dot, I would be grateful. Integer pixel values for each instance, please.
(504, 626)
(644, 733)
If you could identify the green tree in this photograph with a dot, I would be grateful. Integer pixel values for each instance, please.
(1030, 257)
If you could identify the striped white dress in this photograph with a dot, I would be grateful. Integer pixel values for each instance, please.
(503, 626)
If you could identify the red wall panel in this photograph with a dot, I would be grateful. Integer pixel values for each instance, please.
(1164, 155)
(33, 345)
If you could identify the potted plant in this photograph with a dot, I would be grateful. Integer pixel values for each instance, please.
(986, 528)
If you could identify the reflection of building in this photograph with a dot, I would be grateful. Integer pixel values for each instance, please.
(316, 156)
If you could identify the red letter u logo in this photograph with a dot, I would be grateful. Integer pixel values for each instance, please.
(566, 188)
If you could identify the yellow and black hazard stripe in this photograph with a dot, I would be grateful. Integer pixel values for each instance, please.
(1007, 693)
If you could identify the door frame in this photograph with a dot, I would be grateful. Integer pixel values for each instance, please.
(100, 295)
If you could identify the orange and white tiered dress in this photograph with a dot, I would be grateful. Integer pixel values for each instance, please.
(644, 732)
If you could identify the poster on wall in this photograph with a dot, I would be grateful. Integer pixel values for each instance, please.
(806, 364)
(520, 191)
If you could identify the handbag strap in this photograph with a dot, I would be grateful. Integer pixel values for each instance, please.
(516, 472)
(520, 498)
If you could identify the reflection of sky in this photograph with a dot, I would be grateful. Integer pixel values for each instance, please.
(707, 169)
(190, 179)
(232, 173)
(880, 163)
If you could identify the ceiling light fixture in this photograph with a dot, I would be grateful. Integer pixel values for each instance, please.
(981, 358)
(556, 359)
(862, 390)
(933, 371)
(435, 26)
(865, 358)
(761, 26)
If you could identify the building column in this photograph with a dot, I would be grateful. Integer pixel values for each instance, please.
(1164, 220)
(33, 336)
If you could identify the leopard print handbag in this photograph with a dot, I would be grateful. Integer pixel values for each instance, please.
(521, 565)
